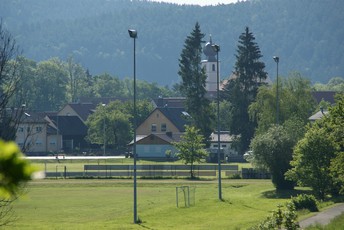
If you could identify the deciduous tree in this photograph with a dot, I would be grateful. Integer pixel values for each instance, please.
(191, 148)
(273, 150)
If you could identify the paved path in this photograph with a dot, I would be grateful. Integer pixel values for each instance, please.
(323, 217)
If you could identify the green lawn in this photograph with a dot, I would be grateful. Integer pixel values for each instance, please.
(108, 204)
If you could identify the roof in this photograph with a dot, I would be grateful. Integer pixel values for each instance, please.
(170, 102)
(224, 137)
(177, 116)
(83, 109)
(324, 95)
(100, 100)
(168, 139)
(320, 114)
(70, 125)
(32, 117)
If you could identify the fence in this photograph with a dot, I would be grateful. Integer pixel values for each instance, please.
(155, 170)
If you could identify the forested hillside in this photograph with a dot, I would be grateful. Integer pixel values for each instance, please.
(306, 35)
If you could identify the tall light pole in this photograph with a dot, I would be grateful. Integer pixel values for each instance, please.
(104, 133)
(133, 34)
(216, 48)
(276, 59)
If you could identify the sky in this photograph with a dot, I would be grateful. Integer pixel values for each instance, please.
(198, 2)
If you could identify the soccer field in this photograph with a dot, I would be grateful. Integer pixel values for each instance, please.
(108, 204)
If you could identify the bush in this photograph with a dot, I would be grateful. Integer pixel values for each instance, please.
(304, 201)
(280, 218)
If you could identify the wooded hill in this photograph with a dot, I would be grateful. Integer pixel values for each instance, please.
(306, 35)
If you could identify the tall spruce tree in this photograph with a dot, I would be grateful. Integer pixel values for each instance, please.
(241, 89)
(194, 81)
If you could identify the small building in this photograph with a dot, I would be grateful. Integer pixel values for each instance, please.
(156, 145)
(226, 144)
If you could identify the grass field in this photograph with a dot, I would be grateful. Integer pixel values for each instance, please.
(108, 204)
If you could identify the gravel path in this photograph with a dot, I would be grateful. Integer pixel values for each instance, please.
(324, 217)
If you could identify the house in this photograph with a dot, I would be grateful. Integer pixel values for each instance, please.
(81, 110)
(164, 120)
(226, 144)
(72, 131)
(35, 134)
(318, 115)
(155, 135)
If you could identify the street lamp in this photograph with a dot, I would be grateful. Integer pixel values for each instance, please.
(133, 34)
(104, 133)
(276, 59)
(216, 48)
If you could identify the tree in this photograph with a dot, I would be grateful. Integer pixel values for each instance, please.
(14, 171)
(273, 150)
(296, 102)
(318, 157)
(116, 120)
(190, 148)
(9, 80)
(50, 85)
(194, 81)
(79, 82)
(241, 91)
(109, 125)
(312, 159)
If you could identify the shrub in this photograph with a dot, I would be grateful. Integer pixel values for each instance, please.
(304, 201)
(280, 219)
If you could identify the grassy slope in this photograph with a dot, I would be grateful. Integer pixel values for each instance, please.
(107, 204)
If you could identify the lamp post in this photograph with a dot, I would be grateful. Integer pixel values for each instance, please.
(104, 133)
(276, 59)
(133, 34)
(216, 48)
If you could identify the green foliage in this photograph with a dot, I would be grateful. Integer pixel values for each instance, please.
(279, 218)
(273, 150)
(114, 122)
(304, 201)
(14, 169)
(296, 102)
(241, 91)
(334, 84)
(318, 159)
(193, 82)
(191, 148)
(311, 161)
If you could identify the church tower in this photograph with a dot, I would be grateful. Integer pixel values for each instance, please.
(210, 65)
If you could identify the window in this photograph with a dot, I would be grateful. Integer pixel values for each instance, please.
(20, 129)
(39, 129)
(28, 129)
(163, 127)
(38, 142)
(153, 128)
(213, 67)
(224, 146)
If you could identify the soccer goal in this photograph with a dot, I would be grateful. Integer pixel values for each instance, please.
(185, 196)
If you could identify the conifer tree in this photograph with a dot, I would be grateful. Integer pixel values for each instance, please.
(194, 81)
(241, 90)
